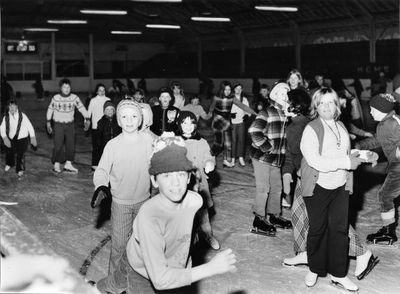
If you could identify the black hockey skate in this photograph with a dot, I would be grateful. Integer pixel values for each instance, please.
(280, 222)
(385, 236)
(262, 227)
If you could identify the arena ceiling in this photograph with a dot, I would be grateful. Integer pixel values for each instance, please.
(312, 16)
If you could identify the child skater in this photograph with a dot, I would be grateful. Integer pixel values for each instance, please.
(157, 253)
(95, 112)
(16, 130)
(268, 148)
(61, 112)
(107, 127)
(388, 136)
(124, 166)
(199, 153)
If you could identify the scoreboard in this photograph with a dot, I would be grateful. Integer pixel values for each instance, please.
(22, 46)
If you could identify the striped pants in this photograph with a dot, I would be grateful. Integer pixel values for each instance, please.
(301, 225)
(122, 217)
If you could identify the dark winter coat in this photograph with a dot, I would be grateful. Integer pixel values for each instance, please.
(107, 128)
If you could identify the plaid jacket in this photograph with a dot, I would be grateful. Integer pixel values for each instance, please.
(267, 133)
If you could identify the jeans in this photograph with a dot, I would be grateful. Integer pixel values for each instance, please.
(268, 188)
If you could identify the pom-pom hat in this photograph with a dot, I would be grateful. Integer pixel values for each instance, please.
(125, 103)
(383, 102)
(169, 155)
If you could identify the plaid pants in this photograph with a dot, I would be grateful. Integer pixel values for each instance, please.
(300, 227)
(223, 136)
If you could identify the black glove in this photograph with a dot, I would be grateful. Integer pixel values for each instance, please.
(34, 148)
(101, 193)
(233, 115)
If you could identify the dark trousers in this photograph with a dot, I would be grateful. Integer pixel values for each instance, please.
(390, 188)
(18, 147)
(64, 134)
(238, 140)
(96, 149)
(327, 240)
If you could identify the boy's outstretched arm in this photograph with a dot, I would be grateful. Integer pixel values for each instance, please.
(221, 263)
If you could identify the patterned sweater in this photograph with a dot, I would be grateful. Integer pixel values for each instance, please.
(267, 133)
(62, 109)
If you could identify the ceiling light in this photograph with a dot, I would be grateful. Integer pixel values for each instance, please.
(203, 18)
(158, 1)
(41, 30)
(126, 32)
(162, 26)
(67, 21)
(107, 12)
(277, 8)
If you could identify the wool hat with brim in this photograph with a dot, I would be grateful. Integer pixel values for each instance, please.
(383, 102)
(276, 88)
(169, 155)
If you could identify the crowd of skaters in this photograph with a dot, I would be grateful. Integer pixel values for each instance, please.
(298, 130)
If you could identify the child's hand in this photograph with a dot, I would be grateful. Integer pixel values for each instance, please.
(86, 125)
(210, 166)
(49, 128)
(287, 179)
(223, 262)
(33, 142)
(7, 142)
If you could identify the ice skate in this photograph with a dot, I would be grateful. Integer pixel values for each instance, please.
(299, 259)
(385, 236)
(7, 168)
(69, 168)
(344, 283)
(280, 222)
(311, 279)
(57, 168)
(365, 264)
(262, 227)
(286, 204)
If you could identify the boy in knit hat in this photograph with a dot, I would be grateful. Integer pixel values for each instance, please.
(61, 111)
(158, 249)
(107, 128)
(268, 148)
(123, 174)
(388, 136)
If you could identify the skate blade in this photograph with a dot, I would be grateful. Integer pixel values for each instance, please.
(70, 171)
(294, 265)
(372, 262)
(8, 203)
(263, 233)
(385, 245)
(341, 287)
